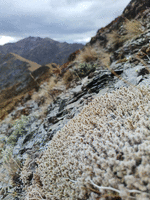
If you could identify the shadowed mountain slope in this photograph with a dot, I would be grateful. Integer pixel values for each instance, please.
(41, 50)
(18, 76)
(15, 69)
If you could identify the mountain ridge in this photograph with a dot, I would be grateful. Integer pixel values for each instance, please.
(41, 50)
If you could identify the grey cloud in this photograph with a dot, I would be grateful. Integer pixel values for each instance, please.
(67, 20)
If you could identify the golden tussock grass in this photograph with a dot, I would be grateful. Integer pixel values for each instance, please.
(133, 28)
(94, 53)
(49, 92)
(44, 90)
(8, 104)
(54, 68)
(11, 167)
(68, 76)
(32, 65)
(115, 40)
(103, 57)
(87, 55)
(121, 60)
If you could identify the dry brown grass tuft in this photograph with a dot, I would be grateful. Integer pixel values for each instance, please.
(133, 28)
(87, 55)
(121, 60)
(48, 93)
(103, 57)
(10, 167)
(44, 90)
(55, 69)
(114, 39)
(68, 76)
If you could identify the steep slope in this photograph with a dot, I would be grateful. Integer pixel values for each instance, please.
(138, 10)
(15, 69)
(17, 76)
(41, 50)
(92, 142)
(32, 65)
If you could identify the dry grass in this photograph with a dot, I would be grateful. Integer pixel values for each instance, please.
(87, 55)
(8, 104)
(92, 53)
(32, 65)
(9, 98)
(48, 92)
(10, 167)
(103, 57)
(55, 69)
(114, 39)
(68, 77)
(121, 60)
(45, 90)
(133, 28)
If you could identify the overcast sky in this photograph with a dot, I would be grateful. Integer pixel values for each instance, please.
(61, 20)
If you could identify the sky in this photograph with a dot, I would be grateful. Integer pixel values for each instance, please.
(72, 21)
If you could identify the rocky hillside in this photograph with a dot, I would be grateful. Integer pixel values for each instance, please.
(85, 133)
(136, 10)
(17, 77)
(14, 70)
(41, 50)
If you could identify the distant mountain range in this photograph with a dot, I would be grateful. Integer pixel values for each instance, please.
(41, 50)
(25, 64)
(14, 70)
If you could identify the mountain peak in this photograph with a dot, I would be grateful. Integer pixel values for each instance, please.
(41, 50)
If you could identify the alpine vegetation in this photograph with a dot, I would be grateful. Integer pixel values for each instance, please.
(102, 152)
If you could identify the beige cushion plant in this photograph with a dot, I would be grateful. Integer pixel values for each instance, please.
(104, 151)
